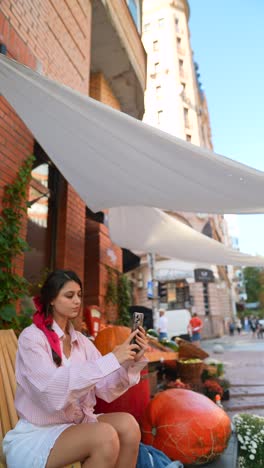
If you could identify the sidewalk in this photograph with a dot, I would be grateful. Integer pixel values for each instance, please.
(243, 359)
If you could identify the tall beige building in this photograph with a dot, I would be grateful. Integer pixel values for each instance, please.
(176, 103)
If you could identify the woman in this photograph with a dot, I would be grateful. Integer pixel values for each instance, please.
(59, 373)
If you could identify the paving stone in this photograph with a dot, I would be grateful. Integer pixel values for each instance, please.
(257, 411)
(244, 402)
(251, 390)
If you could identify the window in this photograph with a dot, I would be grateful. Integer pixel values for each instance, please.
(186, 116)
(155, 46)
(177, 22)
(178, 41)
(206, 299)
(147, 27)
(158, 91)
(157, 67)
(181, 69)
(188, 137)
(160, 117)
(161, 23)
(183, 90)
(41, 217)
(178, 295)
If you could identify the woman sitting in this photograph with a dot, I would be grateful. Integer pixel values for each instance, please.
(59, 373)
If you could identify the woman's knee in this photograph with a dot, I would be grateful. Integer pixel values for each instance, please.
(108, 442)
(129, 431)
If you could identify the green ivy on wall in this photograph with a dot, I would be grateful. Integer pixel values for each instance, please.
(13, 286)
(118, 292)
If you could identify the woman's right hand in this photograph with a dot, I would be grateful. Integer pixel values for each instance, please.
(126, 351)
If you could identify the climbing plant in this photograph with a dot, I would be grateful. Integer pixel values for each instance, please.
(118, 292)
(13, 286)
(123, 300)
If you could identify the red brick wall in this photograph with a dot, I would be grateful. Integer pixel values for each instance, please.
(54, 37)
(100, 250)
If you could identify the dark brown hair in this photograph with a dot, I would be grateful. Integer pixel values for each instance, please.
(50, 290)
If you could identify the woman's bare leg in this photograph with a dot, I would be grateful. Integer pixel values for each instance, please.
(129, 435)
(94, 444)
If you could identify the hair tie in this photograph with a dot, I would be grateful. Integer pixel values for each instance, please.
(43, 323)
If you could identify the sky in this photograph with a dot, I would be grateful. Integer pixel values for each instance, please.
(227, 38)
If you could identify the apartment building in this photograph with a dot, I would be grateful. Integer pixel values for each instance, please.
(176, 103)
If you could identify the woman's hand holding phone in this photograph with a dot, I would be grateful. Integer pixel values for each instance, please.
(128, 351)
(142, 342)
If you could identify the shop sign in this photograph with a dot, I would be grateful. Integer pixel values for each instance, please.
(203, 275)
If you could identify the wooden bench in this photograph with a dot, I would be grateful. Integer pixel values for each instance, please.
(8, 415)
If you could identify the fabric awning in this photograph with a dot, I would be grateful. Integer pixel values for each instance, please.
(153, 231)
(168, 270)
(114, 160)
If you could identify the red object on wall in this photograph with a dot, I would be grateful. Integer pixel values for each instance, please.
(134, 401)
(186, 426)
(92, 317)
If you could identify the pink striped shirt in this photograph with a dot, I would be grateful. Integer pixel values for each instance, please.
(47, 394)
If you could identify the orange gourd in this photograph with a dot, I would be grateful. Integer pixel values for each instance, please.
(186, 426)
(110, 337)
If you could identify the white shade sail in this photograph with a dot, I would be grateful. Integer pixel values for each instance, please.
(114, 160)
(153, 231)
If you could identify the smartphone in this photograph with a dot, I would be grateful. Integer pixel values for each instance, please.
(137, 321)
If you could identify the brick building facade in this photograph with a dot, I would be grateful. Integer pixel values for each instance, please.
(70, 42)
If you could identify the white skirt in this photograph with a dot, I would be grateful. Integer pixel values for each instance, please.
(29, 446)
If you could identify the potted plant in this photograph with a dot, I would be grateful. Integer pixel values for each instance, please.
(225, 384)
(212, 388)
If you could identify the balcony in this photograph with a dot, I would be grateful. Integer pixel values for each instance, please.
(118, 53)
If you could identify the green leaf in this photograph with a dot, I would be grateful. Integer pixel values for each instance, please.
(8, 312)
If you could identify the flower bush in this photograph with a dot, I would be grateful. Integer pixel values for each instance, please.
(212, 388)
(250, 435)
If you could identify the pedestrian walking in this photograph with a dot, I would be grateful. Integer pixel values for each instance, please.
(195, 326)
(162, 325)
(238, 325)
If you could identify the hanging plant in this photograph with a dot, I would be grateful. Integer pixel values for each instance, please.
(13, 286)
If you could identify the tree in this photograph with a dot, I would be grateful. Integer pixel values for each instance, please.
(253, 283)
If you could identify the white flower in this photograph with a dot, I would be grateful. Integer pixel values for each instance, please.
(251, 457)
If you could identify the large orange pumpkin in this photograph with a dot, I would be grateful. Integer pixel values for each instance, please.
(186, 426)
(110, 337)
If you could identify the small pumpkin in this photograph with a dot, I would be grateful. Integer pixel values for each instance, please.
(110, 337)
(186, 426)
